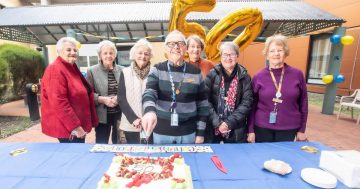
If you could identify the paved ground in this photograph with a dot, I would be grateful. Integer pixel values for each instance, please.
(340, 134)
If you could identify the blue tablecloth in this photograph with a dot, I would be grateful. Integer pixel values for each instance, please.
(72, 166)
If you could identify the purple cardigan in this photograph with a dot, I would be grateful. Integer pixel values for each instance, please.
(292, 112)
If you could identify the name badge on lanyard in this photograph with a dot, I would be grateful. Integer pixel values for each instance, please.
(272, 118)
(276, 100)
(174, 119)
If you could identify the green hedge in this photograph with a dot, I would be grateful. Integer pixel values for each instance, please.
(19, 65)
(4, 77)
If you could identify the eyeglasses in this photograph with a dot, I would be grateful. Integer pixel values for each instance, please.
(228, 55)
(280, 51)
(172, 44)
(143, 53)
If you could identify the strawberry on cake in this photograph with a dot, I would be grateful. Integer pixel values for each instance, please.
(147, 172)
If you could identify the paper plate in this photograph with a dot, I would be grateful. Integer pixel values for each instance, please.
(318, 177)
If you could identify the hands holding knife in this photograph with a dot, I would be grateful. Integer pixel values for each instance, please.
(148, 123)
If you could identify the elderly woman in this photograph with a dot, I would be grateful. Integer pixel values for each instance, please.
(67, 106)
(230, 97)
(131, 87)
(103, 78)
(195, 45)
(280, 97)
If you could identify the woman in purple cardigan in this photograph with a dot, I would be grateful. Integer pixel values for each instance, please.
(280, 98)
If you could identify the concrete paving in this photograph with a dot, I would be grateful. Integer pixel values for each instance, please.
(342, 134)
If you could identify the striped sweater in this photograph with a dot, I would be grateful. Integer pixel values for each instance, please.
(192, 104)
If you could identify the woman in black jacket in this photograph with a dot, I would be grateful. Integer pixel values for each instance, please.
(230, 98)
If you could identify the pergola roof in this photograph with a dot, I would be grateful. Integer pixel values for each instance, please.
(128, 21)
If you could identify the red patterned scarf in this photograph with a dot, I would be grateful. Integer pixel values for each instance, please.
(231, 93)
(228, 107)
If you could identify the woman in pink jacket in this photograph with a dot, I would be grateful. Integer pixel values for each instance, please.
(67, 105)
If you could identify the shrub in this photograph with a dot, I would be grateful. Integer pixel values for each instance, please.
(25, 66)
(4, 77)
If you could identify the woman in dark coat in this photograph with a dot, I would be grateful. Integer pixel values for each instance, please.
(230, 97)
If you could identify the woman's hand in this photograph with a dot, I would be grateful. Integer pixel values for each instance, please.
(109, 101)
(79, 132)
(301, 137)
(251, 138)
(114, 100)
(199, 140)
(224, 128)
(137, 123)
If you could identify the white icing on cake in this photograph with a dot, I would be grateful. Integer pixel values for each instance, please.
(147, 173)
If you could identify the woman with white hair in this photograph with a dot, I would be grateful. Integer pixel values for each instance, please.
(103, 78)
(230, 97)
(280, 97)
(67, 105)
(131, 87)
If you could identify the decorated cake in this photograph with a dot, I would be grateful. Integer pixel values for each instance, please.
(147, 172)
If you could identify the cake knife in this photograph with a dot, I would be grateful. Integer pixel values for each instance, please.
(144, 136)
(216, 160)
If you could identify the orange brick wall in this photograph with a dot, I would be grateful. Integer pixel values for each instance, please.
(253, 59)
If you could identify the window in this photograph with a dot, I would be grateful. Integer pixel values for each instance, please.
(93, 60)
(123, 58)
(319, 58)
(82, 61)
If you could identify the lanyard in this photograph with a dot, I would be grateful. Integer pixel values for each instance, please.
(278, 86)
(175, 91)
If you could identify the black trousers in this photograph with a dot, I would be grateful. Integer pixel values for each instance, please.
(271, 135)
(74, 140)
(134, 138)
(102, 131)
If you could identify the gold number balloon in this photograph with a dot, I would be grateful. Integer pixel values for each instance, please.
(248, 17)
(179, 10)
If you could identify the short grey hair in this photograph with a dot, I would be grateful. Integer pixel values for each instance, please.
(278, 39)
(175, 33)
(139, 43)
(197, 39)
(108, 44)
(62, 41)
(230, 45)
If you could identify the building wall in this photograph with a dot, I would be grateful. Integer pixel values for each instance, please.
(350, 65)
(346, 9)
(253, 60)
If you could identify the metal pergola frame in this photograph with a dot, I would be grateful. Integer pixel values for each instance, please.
(37, 33)
(45, 25)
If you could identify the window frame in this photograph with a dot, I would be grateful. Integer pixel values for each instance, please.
(325, 50)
